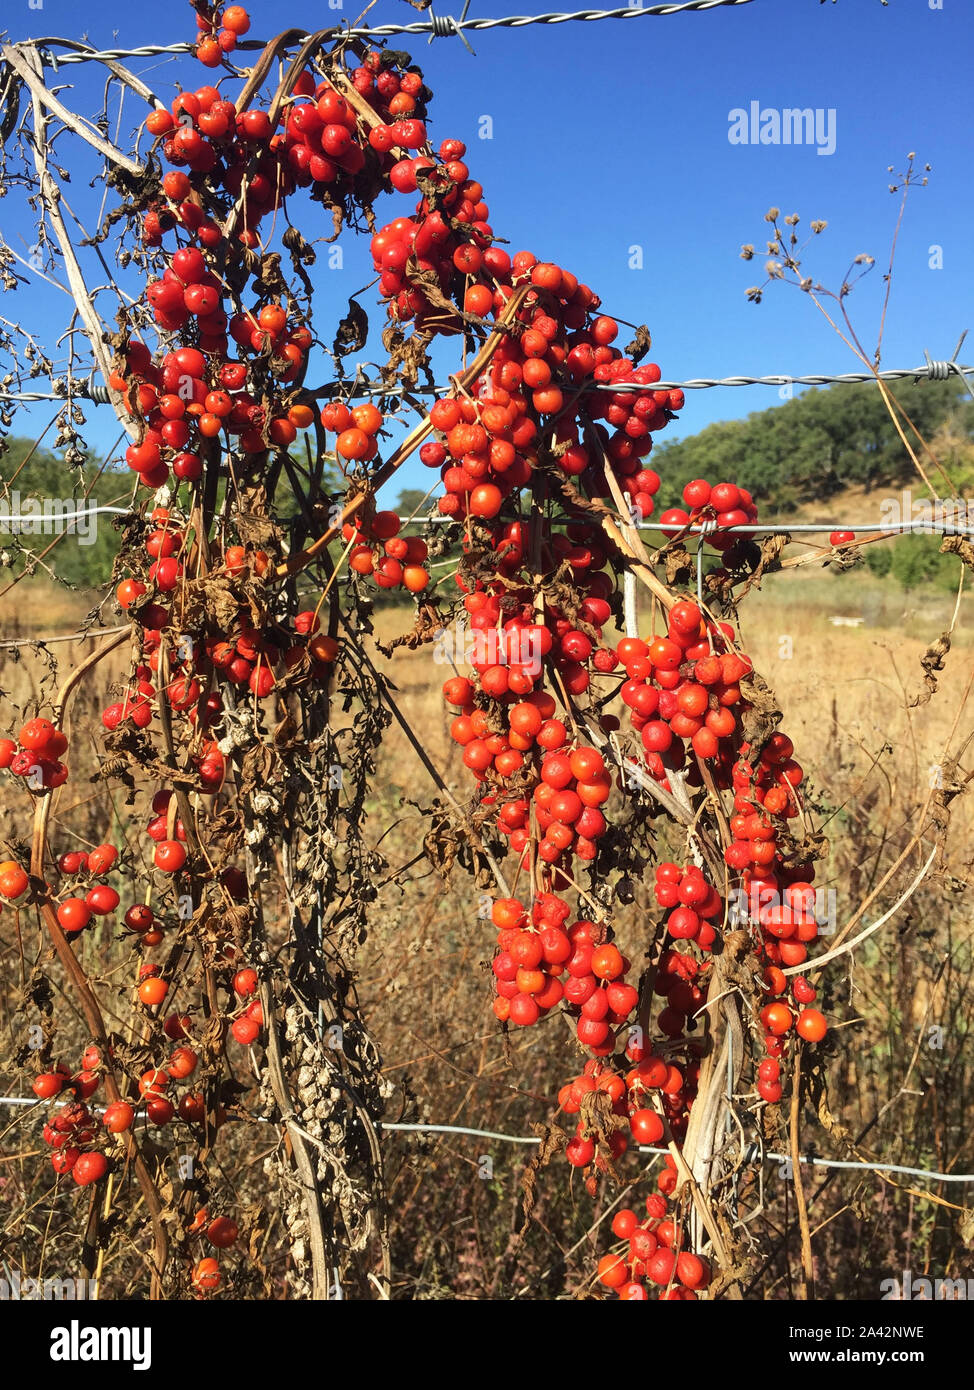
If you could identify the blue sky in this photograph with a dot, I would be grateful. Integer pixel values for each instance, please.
(613, 135)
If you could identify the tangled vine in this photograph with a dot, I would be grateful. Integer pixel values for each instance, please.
(246, 726)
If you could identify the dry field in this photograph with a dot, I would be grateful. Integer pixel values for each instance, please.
(424, 985)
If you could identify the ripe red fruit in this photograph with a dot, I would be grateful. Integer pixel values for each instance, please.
(118, 1117)
(646, 1126)
(607, 962)
(13, 879)
(222, 1232)
(89, 1168)
(206, 1276)
(692, 1271)
(624, 1223)
(811, 1025)
(612, 1271)
(159, 1111)
(580, 1152)
(777, 1018)
(102, 859)
(245, 1030)
(245, 982)
(182, 1063)
(153, 991)
(169, 856)
(189, 265)
(48, 1084)
(74, 914)
(660, 1266)
(101, 899)
(139, 917)
(485, 500)
(192, 1107)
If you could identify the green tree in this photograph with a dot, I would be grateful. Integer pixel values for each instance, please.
(815, 445)
(917, 560)
(43, 491)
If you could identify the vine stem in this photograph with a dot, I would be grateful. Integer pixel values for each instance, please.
(79, 977)
(50, 195)
(808, 1269)
(34, 81)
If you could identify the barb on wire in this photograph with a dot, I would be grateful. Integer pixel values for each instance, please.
(437, 26)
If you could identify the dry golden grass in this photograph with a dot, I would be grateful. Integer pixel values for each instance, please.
(844, 691)
(422, 979)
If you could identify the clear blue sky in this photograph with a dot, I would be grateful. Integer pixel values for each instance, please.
(611, 135)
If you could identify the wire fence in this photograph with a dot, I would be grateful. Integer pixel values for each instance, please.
(437, 26)
(752, 1153)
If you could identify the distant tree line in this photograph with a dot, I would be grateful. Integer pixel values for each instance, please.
(815, 445)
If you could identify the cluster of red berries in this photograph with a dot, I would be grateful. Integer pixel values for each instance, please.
(634, 416)
(555, 402)
(219, 32)
(100, 900)
(653, 1254)
(712, 510)
(377, 549)
(68, 1133)
(694, 904)
(72, 1127)
(36, 754)
(323, 145)
(679, 691)
(533, 955)
(249, 661)
(629, 1092)
(219, 1231)
(185, 401)
(486, 444)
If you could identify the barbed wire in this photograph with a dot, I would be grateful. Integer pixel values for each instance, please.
(930, 370)
(700, 529)
(752, 1153)
(437, 26)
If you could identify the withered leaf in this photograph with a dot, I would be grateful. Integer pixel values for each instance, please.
(678, 563)
(640, 345)
(761, 713)
(353, 331)
(959, 545)
(770, 550)
(932, 660)
(553, 1141)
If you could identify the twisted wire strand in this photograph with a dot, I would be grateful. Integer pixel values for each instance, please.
(437, 26)
(929, 371)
